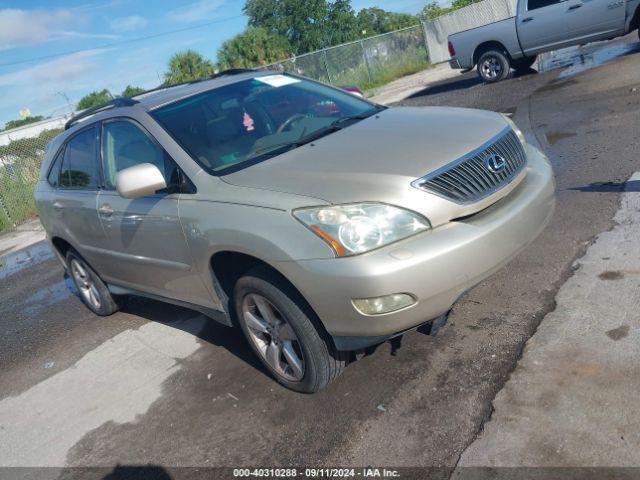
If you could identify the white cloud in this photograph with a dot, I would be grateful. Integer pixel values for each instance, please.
(61, 71)
(193, 12)
(128, 24)
(30, 27)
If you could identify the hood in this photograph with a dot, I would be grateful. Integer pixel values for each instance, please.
(375, 159)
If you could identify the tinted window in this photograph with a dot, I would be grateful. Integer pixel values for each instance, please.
(54, 172)
(125, 145)
(79, 164)
(535, 4)
(237, 123)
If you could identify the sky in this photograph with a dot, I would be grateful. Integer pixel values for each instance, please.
(54, 52)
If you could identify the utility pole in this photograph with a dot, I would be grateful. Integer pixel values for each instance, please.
(64, 95)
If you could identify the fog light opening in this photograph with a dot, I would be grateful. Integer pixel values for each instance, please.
(385, 304)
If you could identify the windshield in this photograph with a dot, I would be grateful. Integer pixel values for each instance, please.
(237, 125)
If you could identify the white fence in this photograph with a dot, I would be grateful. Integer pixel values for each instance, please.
(475, 15)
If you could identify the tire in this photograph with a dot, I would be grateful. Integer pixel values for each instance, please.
(93, 291)
(493, 66)
(524, 63)
(283, 334)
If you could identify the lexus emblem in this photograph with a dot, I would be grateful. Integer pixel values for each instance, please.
(495, 163)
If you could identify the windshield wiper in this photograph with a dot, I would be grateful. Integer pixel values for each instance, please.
(361, 116)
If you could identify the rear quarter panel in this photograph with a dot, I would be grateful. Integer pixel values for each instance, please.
(503, 32)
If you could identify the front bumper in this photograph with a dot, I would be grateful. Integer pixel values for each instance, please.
(436, 267)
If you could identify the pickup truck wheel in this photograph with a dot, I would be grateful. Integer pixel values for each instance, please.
(493, 66)
(277, 324)
(524, 63)
(93, 291)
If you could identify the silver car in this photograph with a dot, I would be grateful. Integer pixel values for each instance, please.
(317, 222)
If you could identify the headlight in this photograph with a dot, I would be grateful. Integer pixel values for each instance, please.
(358, 228)
(516, 129)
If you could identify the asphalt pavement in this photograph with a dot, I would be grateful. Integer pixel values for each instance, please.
(160, 385)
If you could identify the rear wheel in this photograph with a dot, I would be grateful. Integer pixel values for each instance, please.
(493, 66)
(524, 63)
(279, 327)
(93, 291)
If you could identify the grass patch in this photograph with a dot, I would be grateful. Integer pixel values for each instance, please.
(382, 71)
(17, 197)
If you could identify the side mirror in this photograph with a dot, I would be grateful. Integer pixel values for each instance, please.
(139, 181)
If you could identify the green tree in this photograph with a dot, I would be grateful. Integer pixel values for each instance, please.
(308, 25)
(342, 22)
(434, 10)
(131, 91)
(93, 99)
(375, 21)
(22, 121)
(456, 4)
(187, 66)
(255, 46)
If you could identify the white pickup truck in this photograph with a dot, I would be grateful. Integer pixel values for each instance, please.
(539, 26)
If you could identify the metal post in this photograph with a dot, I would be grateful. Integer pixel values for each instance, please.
(6, 212)
(366, 61)
(326, 64)
(424, 39)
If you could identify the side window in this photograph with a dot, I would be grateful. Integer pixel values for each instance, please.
(54, 172)
(125, 145)
(535, 4)
(79, 163)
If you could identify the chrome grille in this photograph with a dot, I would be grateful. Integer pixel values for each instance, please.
(469, 179)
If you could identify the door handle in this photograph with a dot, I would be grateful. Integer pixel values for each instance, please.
(574, 7)
(58, 206)
(105, 210)
(528, 19)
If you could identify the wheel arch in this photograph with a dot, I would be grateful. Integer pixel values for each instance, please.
(227, 266)
(635, 19)
(488, 46)
(60, 247)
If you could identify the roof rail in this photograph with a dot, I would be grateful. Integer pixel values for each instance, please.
(116, 102)
(230, 71)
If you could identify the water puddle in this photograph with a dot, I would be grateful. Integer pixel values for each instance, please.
(45, 297)
(555, 137)
(578, 59)
(26, 258)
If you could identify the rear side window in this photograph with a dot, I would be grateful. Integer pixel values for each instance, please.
(54, 174)
(79, 163)
(125, 145)
(535, 4)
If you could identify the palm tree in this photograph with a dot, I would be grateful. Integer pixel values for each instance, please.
(187, 66)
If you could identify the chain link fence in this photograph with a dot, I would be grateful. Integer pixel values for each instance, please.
(365, 63)
(20, 162)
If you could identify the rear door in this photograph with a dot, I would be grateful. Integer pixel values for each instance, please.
(144, 238)
(544, 24)
(597, 19)
(74, 202)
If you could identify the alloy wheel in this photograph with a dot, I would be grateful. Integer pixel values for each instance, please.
(273, 337)
(491, 68)
(85, 284)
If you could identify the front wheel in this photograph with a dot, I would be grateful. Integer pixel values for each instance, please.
(493, 66)
(278, 325)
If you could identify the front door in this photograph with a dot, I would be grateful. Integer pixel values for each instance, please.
(144, 237)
